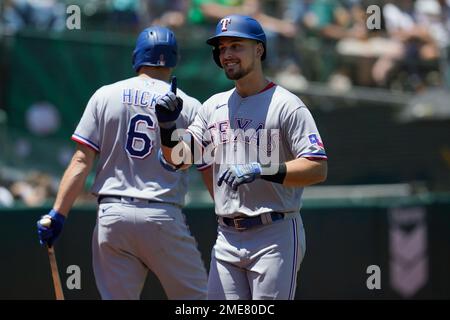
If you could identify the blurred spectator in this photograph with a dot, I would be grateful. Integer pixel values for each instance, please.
(207, 12)
(434, 16)
(410, 41)
(290, 73)
(416, 44)
(35, 190)
(35, 14)
(171, 14)
(124, 14)
(329, 21)
(294, 10)
(6, 197)
(362, 45)
(445, 59)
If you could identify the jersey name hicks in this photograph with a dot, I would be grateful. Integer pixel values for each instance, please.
(139, 98)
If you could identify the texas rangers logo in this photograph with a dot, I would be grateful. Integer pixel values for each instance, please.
(315, 139)
(225, 22)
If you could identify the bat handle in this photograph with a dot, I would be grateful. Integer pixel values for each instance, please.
(173, 85)
(55, 274)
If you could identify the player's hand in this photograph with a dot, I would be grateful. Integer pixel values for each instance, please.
(48, 234)
(169, 106)
(239, 174)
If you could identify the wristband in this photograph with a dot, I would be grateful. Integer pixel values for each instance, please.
(277, 177)
(166, 136)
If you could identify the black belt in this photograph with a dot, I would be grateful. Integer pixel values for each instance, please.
(245, 223)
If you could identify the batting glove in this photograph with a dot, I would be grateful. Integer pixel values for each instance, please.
(48, 235)
(168, 108)
(239, 174)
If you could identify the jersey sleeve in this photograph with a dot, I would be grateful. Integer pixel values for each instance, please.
(198, 129)
(87, 131)
(196, 106)
(302, 136)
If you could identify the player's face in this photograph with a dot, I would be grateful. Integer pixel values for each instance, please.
(238, 56)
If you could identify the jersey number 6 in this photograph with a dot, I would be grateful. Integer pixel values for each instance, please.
(139, 145)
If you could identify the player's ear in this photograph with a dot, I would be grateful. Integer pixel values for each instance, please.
(259, 49)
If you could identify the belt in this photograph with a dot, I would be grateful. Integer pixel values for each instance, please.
(121, 199)
(245, 223)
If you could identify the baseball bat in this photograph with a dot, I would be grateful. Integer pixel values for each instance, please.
(53, 265)
(173, 85)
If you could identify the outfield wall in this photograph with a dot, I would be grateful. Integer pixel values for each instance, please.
(407, 238)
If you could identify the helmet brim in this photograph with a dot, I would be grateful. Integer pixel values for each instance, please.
(214, 41)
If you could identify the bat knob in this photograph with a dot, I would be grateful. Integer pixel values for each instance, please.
(46, 221)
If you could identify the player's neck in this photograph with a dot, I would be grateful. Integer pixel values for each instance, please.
(251, 84)
(158, 73)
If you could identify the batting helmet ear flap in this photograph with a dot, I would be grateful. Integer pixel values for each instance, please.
(216, 53)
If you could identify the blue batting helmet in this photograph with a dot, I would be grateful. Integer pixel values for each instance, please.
(240, 27)
(155, 46)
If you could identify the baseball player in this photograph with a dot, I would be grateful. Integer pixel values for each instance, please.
(140, 225)
(261, 239)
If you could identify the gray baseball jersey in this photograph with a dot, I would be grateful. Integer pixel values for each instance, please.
(234, 125)
(132, 236)
(131, 166)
